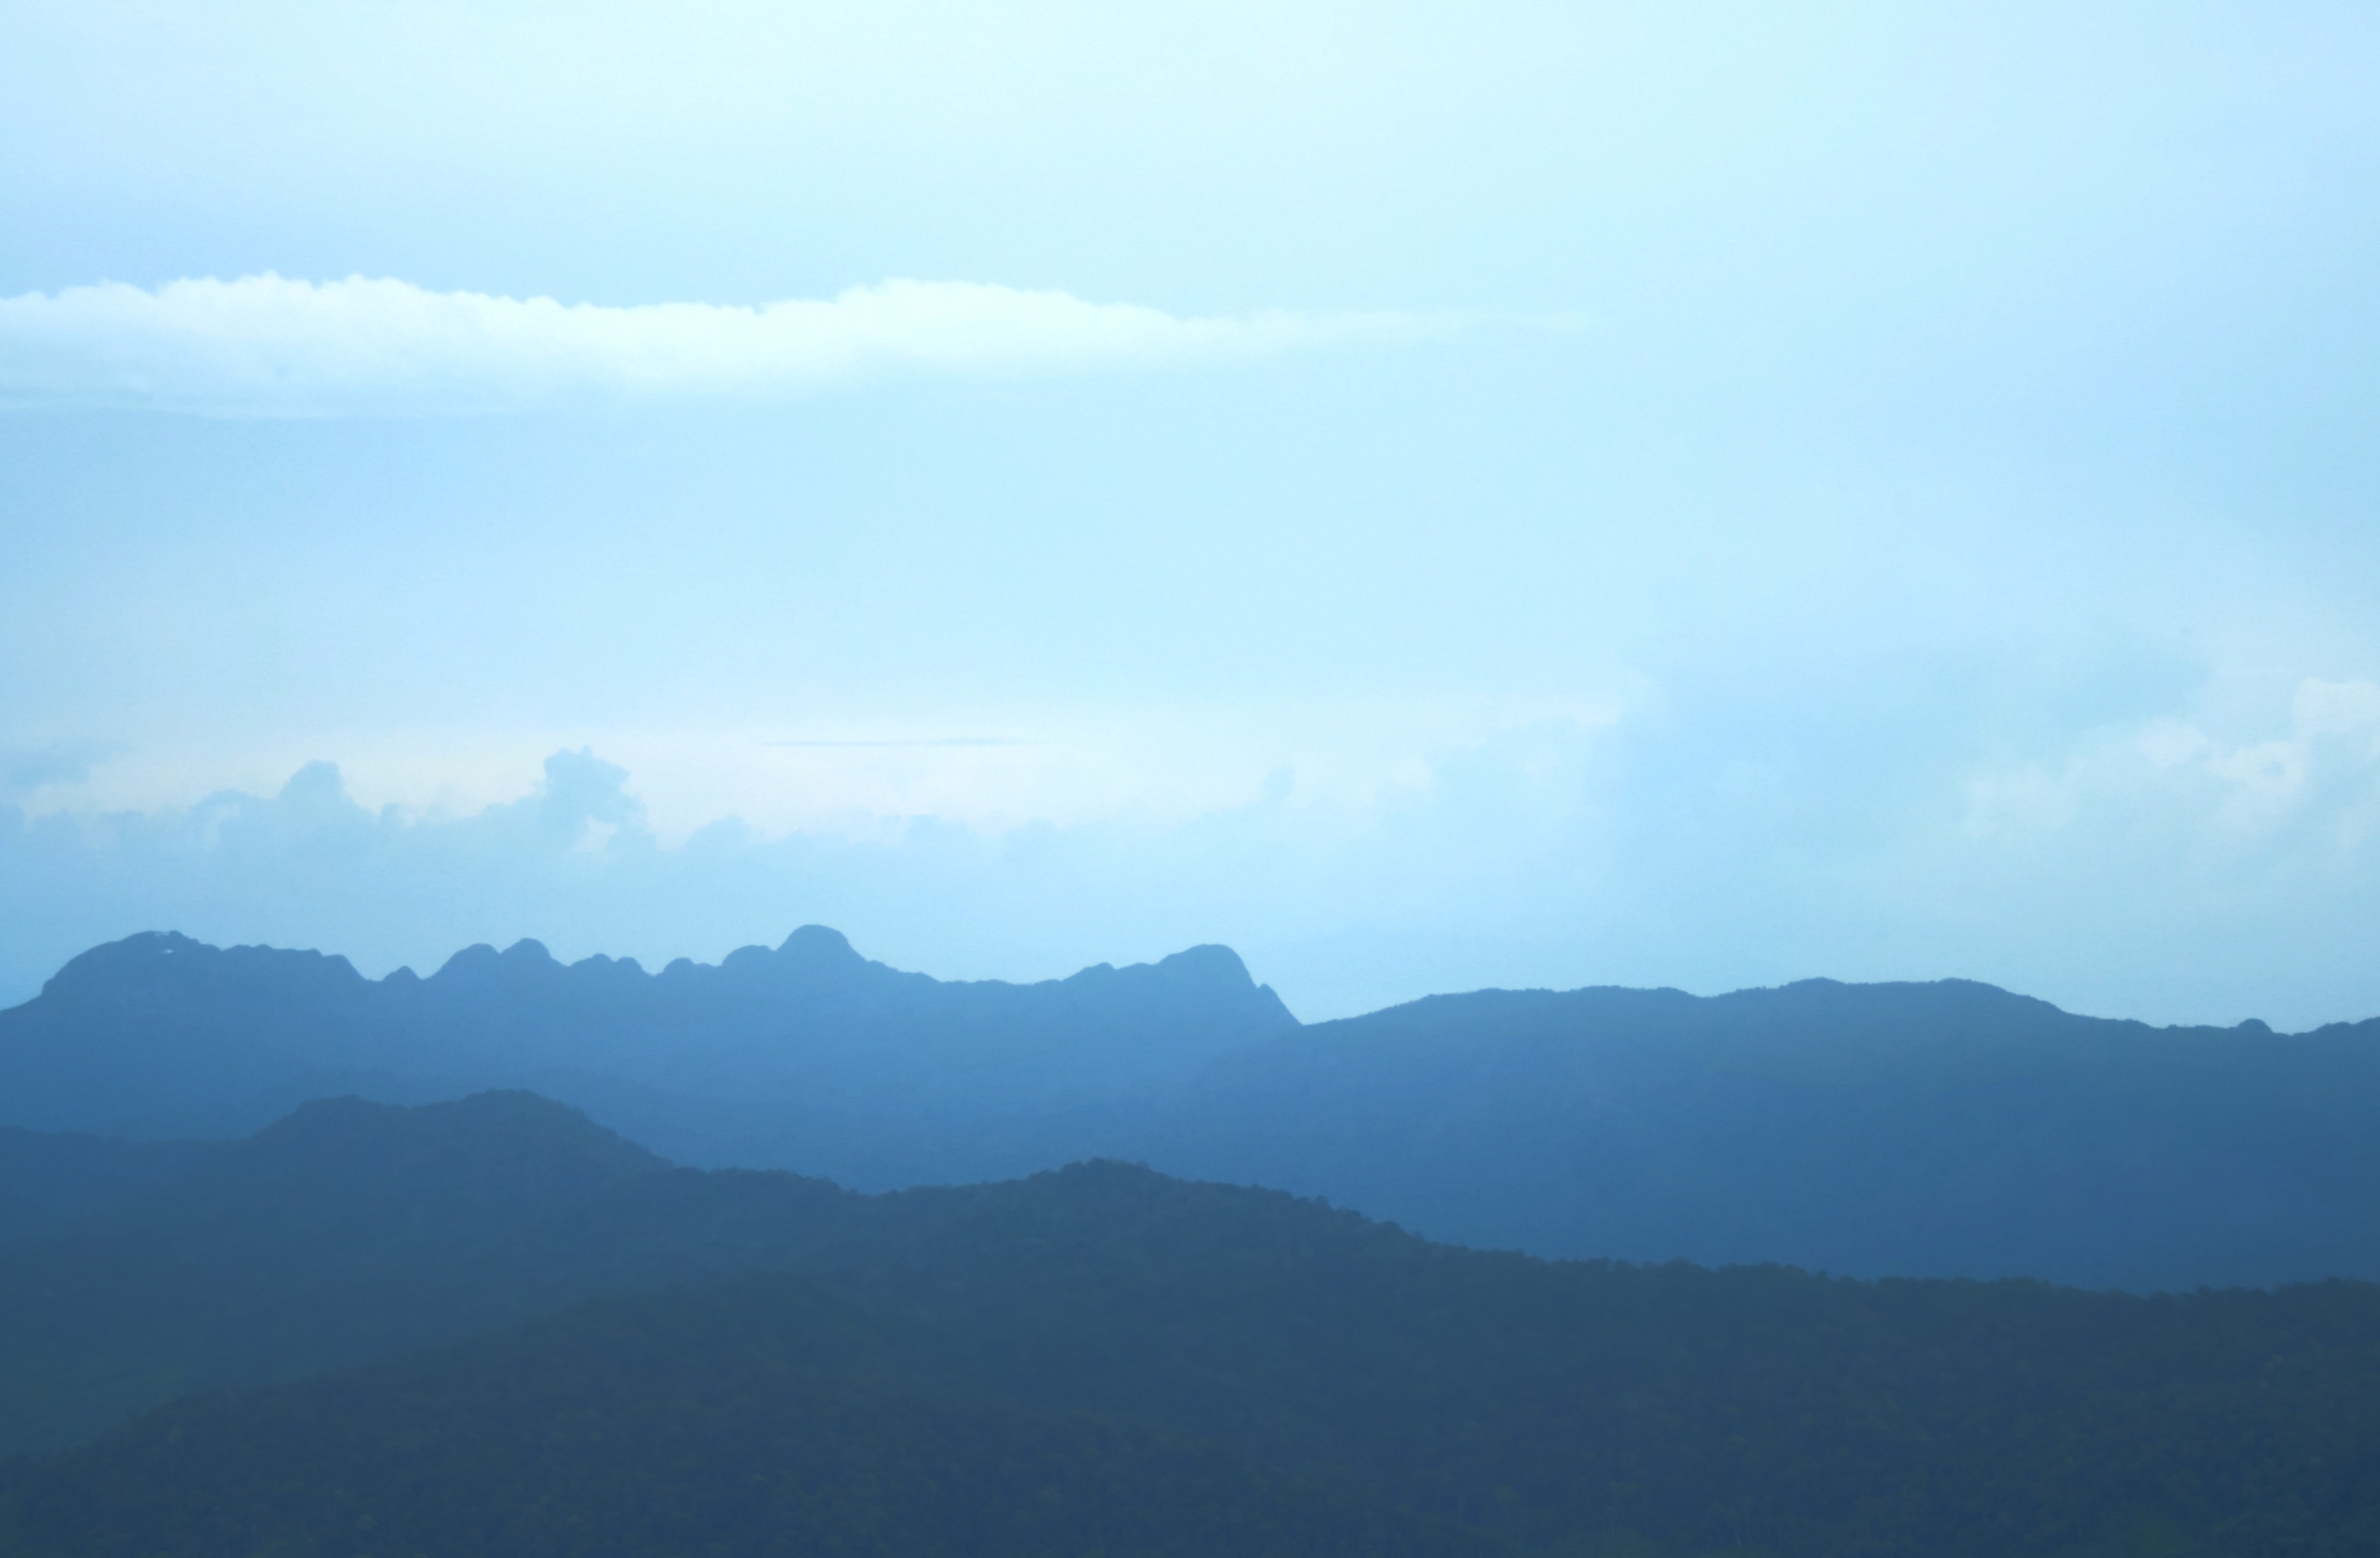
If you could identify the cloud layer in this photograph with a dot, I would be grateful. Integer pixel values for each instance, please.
(2161, 868)
(270, 347)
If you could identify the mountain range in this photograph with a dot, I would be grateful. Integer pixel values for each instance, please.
(1946, 1129)
(491, 1326)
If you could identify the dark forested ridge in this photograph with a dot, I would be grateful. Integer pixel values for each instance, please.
(542, 1339)
(49, 1180)
(761, 1417)
(1948, 1129)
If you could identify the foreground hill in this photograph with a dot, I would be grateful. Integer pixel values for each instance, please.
(1101, 1358)
(1948, 1129)
(763, 1417)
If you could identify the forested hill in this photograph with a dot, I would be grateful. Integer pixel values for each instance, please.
(1946, 1128)
(543, 1340)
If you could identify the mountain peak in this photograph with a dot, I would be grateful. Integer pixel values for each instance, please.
(820, 944)
(168, 961)
(1208, 963)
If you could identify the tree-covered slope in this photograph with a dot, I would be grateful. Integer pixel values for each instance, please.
(1533, 1403)
(350, 1231)
(761, 1418)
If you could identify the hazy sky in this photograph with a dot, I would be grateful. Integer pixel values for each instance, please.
(1699, 494)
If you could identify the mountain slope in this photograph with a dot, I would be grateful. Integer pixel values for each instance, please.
(1135, 1331)
(345, 1231)
(48, 1180)
(1945, 1128)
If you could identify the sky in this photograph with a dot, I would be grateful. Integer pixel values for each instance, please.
(1681, 494)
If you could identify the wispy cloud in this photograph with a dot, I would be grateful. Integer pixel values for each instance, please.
(23, 769)
(268, 347)
(905, 741)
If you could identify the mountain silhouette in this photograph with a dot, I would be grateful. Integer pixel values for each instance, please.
(160, 1035)
(1943, 1129)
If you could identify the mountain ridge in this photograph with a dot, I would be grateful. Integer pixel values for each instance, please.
(1947, 1127)
(159, 1034)
(808, 950)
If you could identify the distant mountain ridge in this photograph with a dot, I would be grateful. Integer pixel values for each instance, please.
(1948, 1129)
(159, 1034)
(1945, 1128)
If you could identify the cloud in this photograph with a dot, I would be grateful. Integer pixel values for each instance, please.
(26, 768)
(2157, 870)
(905, 741)
(2315, 788)
(268, 346)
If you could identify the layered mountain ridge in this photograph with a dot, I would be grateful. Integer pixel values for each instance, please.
(1944, 1128)
(491, 1326)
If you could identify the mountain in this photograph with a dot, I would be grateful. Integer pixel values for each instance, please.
(617, 1356)
(1946, 1128)
(345, 1231)
(49, 1180)
(160, 1035)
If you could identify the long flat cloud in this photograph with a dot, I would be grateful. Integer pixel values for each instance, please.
(268, 347)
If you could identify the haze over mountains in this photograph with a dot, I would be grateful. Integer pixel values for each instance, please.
(1948, 1129)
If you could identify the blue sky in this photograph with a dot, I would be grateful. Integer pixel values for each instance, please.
(1688, 494)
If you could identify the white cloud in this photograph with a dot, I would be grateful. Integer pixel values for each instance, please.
(268, 346)
(2170, 779)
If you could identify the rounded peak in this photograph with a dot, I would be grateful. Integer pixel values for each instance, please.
(818, 943)
(476, 957)
(1208, 963)
(168, 960)
(113, 960)
(526, 950)
(144, 946)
